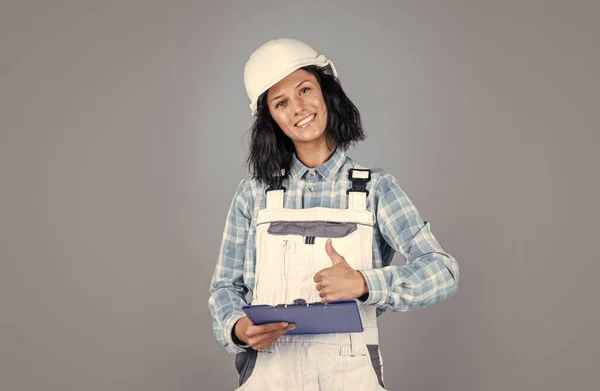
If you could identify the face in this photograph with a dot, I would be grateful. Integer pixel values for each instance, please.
(297, 106)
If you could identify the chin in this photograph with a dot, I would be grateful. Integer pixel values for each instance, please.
(310, 138)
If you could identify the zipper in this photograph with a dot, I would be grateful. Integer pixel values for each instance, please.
(311, 262)
(286, 255)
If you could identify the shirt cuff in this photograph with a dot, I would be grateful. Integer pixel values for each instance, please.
(377, 286)
(234, 345)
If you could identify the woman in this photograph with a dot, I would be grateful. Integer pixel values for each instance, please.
(309, 223)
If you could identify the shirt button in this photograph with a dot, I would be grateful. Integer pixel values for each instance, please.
(311, 188)
(313, 173)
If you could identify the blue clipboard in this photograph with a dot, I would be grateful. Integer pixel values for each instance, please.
(311, 318)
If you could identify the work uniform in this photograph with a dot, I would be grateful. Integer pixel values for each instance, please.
(290, 247)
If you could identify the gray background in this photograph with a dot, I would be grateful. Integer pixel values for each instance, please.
(123, 135)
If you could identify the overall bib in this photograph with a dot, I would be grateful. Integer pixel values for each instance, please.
(290, 250)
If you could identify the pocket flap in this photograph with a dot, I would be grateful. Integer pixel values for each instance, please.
(321, 229)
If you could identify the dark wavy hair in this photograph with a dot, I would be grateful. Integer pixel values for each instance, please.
(271, 150)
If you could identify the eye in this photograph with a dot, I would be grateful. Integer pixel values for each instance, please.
(304, 90)
(279, 104)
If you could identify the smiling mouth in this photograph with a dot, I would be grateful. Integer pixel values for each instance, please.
(306, 121)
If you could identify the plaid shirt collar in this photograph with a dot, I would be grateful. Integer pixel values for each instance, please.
(327, 170)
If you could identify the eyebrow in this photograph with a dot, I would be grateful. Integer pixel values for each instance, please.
(298, 85)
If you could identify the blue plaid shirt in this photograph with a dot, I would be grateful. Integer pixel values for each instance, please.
(429, 275)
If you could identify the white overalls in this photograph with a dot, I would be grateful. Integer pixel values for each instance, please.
(290, 249)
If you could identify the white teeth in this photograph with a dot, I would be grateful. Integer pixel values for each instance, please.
(305, 121)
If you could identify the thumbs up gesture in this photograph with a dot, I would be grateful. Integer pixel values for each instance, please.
(339, 281)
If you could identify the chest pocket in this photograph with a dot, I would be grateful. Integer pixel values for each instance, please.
(291, 252)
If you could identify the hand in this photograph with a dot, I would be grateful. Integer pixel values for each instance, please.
(340, 281)
(260, 336)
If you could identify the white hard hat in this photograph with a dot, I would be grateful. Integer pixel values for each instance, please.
(275, 60)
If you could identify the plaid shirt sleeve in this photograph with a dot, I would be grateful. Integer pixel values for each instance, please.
(227, 288)
(429, 275)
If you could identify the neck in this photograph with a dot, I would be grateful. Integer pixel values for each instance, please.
(314, 155)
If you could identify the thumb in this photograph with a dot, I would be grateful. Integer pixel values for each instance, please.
(333, 255)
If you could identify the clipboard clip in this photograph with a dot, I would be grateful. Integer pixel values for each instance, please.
(299, 302)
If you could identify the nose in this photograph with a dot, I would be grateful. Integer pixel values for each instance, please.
(299, 106)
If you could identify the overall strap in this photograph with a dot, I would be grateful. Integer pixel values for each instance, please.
(275, 192)
(357, 194)
(275, 198)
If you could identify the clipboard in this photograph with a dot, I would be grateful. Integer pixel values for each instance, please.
(310, 318)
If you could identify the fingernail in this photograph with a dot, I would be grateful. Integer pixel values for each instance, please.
(285, 324)
(293, 326)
